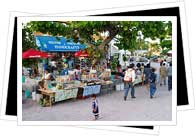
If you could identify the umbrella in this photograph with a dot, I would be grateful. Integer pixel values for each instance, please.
(32, 53)
(35, 54)
(81, 54)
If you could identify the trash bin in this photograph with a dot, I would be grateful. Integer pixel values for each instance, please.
(28, 94)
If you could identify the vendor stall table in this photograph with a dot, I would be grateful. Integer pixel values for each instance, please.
(64, 94)
(59, 95)
(48, 93)
(107, 88)
(88, 90)
(91, 89)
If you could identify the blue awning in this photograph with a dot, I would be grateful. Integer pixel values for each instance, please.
(58, 44)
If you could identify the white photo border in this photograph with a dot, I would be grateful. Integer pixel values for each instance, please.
(118, 18)
(3, 105)
(100, 11)
(154, 131)
(14, 14)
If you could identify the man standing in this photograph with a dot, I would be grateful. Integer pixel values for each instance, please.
(152, 83)
(163, 74)
(169, 73)
(129, 79)
(147, 72)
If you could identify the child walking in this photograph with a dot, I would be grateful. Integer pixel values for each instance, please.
(152, 83)
(95, 108)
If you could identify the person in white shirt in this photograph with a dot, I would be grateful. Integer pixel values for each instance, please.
(93, 70)
(129, 79)
(53, 65)
(47, 77)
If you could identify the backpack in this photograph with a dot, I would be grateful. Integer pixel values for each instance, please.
(128, 75)
(152, 78)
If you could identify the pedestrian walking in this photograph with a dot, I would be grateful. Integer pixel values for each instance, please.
(166, 63)
(142, 71)
(169, 73)
(163, 74)
(152, 83)
(147, 72)
(129, 79)
(95, 107)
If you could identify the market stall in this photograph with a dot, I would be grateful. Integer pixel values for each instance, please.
(70, 81)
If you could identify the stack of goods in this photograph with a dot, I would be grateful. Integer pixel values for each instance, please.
(63, 79)
(59, 86)
(84, 77)
(89, 77)
(106, 75)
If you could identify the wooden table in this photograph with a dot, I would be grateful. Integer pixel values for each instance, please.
(48, 93)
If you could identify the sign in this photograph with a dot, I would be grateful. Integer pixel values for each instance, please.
(58, 44)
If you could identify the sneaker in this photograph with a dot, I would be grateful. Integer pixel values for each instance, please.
(133, 97)
(151, 97)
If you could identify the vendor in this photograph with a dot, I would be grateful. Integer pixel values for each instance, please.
(77, 72)
(35, 71)
(47, 77)
(70, 63)
(45, 65)
(53, 65)
(41, 84)
(65, 70)
(93, 73)
(93, 70)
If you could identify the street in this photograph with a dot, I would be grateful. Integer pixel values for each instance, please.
(112, 108)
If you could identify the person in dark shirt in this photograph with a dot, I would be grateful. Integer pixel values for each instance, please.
(169, 73)
(152, 80)
(147, 72)
(95, 108)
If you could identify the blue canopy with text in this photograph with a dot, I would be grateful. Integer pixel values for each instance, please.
(58, 44)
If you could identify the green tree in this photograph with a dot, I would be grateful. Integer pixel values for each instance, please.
(166, 46)
(125, 33)
(28, 41)
(154, 48)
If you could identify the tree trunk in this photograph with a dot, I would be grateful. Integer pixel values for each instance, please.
(107, 41)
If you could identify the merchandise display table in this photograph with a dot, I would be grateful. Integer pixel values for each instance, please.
(91, 89)
(59, 95)
(48, 93)
(64, 94)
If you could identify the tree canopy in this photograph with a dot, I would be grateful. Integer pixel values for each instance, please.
(97, 34)
(28, 39)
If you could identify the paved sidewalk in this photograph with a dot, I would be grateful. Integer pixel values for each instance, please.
(112, 108)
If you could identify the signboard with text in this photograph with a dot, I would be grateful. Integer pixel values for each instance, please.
(58, 44)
